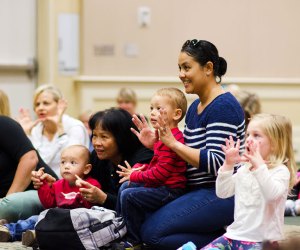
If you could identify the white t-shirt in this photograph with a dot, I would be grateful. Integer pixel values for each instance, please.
(75, 134)
(260, 197)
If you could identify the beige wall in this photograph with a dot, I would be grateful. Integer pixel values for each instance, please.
(18, 52)
(48, 12)
(257, 38)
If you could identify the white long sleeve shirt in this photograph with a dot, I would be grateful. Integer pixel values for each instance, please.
(75, 133)
(260, 197)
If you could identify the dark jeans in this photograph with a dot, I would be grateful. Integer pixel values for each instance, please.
(136, 201)
(198, 216)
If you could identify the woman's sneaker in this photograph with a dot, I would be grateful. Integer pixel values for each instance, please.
(3, 221)
(4, 234)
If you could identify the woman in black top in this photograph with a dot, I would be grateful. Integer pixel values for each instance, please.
(113, 144)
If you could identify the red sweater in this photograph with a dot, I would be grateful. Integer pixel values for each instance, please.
(165, 169)
(62, 195)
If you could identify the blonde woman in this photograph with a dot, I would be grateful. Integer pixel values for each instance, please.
(127, 100)
(52, 130)
(4, 104)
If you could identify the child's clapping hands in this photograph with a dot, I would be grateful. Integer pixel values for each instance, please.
(232, 154)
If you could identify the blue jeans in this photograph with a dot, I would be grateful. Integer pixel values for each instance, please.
(198, 216)
(20, 206)
(16, 229)
(136, 201)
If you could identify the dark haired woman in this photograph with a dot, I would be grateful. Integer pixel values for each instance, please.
(113, 144)
(199, 215)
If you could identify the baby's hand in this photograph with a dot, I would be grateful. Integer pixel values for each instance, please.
(79, 182)
(253, 156)
(36, 178)
(48, 178)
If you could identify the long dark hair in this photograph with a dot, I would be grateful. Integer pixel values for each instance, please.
(118, 122)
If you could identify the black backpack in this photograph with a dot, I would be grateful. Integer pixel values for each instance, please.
(79, 228)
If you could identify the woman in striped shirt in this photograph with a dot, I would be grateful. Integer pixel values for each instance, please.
(199, 215)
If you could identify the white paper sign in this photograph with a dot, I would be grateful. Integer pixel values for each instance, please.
(68, 43)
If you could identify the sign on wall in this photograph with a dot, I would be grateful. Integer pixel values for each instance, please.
(68, 43)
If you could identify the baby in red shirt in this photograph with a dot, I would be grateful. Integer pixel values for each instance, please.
(64, 193)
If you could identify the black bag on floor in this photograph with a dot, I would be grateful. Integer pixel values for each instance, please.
(79, 228)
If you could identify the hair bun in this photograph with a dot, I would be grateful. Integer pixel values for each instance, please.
(222, 66)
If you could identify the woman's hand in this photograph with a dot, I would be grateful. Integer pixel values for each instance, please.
(232, 153)
(126, 171)
(253, 156)
(146, 136)
(53, 124)
(89, 192)
(25, 120)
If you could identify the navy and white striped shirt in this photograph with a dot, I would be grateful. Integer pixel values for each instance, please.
(207, 131)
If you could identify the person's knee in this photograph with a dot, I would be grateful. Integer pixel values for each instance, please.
(148, 237)
(123, 186)
(20, 206)
(8, 208)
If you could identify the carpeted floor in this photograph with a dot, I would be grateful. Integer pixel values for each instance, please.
(291, 229)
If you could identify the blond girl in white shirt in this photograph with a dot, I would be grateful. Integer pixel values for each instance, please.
(260, 185)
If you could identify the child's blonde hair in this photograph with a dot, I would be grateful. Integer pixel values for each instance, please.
(4, 104)
(128, 95)
(177, 97)
(278, 129)
(47, 88)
